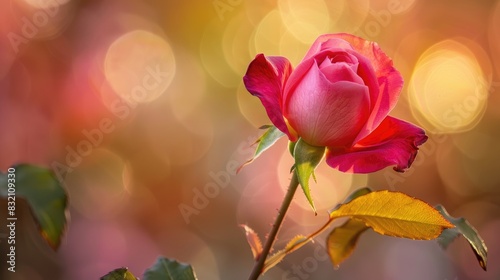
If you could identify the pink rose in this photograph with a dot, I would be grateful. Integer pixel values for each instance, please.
(339, 97)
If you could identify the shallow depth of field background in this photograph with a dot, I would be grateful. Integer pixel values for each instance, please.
(141, 107)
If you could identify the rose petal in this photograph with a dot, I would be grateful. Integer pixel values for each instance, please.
(394, 142)
(299, 72)
(266, 78)
(325, 113)
(341, 71)
(344, 57)
(390, 82)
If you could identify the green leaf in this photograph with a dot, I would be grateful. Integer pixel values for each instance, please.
(271, 136)
(343, 239)
(307, 157)
(464, 228)
(395, 214)
(119, 274)
(168, 269)
(45, 196)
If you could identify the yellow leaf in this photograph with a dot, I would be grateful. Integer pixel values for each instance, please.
(294, 244)
(342, 240)
(395, 214)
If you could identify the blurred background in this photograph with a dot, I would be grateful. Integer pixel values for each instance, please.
(140, 109)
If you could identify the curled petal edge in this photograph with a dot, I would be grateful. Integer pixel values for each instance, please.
(393, 143)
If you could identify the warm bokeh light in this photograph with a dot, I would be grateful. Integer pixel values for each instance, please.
(305, 20)
(43, 4)
(140, 66)
(268, 33)
(212, 55)
(40, 19)
(237, 34)
(448, 89)
(349, 16)
(191, 140)
(98, 185)
(494, 35)
(184, 105)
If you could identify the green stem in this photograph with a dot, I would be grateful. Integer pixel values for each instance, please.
(259, 265)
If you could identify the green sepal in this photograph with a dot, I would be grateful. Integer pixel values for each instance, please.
(307, 157)
(291, 147)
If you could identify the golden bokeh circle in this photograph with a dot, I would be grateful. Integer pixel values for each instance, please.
(448, 90)
(139, 66)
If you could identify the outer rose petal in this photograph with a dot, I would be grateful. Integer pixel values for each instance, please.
(394, 142)
(266, 78)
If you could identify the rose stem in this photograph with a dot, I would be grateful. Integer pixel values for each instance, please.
(259, 265)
